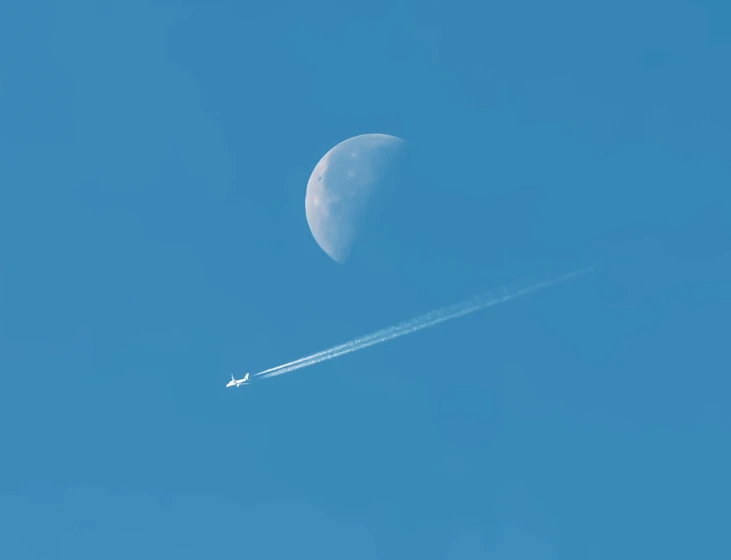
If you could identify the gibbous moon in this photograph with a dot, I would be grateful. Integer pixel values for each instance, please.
(342, 186)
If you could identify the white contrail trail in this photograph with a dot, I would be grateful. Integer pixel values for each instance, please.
(412, 325)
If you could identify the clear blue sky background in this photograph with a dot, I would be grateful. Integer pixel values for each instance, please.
(153, 164)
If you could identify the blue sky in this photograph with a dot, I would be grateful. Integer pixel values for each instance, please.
(153, 164)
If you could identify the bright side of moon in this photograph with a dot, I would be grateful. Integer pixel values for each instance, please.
(341, 187)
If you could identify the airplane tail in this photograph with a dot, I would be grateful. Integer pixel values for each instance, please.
(246, 377)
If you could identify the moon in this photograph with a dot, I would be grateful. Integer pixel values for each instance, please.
(341, 188)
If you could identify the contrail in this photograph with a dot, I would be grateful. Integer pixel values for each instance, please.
(416, 324)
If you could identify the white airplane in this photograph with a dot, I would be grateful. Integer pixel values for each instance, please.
(236, 382)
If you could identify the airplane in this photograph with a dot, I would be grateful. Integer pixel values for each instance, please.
(236, 382)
